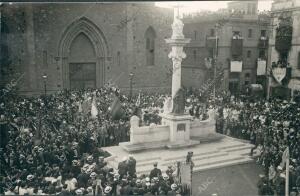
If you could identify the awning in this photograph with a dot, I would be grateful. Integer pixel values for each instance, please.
(294, 84)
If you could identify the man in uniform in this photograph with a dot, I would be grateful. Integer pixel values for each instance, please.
(155, 172)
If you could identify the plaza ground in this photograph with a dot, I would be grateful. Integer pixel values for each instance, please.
(237, 180)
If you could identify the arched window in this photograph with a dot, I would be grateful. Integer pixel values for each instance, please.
(150, 46)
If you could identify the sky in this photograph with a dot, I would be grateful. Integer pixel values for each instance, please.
(195, 6)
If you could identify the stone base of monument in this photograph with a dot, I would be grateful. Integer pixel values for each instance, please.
(225, 152)
(173, 139)
(157, 145)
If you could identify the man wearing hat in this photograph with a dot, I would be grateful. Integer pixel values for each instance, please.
(123, 167)
(170, 172)
(155, 172)
(83, 178)
(131, 164)
(79, 192)
(173, 190)
(165, 184)
(108, 190)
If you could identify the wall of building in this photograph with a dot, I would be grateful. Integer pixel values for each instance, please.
(120, 27)
(293, 8)
(199, 29)
(156, 77)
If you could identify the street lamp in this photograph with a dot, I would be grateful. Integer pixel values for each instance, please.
(130, 83)
(217, 26)
(45, 82)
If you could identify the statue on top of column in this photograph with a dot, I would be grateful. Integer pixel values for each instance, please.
(177, 27)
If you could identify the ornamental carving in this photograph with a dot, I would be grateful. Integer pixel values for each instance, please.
(177, 27)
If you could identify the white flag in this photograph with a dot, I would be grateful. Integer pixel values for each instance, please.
(94, 111)
(285, 156)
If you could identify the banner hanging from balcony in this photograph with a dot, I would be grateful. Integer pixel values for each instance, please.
(261, 67)
(279, 73)
(236, 66)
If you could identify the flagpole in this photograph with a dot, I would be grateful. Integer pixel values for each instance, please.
(287, 172)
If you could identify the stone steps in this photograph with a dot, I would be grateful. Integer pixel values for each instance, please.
(222, 153)
(238, 149)
(145, 163)
(223, 164)
(231, 146)
(145, 146)
(183, 155)
(197, 158)
(182, 144)
(139, 160)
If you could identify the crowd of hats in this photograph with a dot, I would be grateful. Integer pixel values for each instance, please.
(89, 176)
(48, 139)
(47, 135)
(274, 126)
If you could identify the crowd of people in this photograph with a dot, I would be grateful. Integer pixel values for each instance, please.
(272, 126)
(52, 144)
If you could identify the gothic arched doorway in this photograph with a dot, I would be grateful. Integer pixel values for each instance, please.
(83, 50)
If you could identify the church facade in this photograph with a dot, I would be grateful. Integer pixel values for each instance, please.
(70, 45)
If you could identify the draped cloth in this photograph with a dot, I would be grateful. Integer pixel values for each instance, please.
(236, 66)
(261, 67)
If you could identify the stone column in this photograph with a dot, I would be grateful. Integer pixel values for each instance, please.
(177, 42)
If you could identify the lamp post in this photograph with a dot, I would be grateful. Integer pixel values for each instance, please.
(217, 26)
(130, 84)
(45, 82)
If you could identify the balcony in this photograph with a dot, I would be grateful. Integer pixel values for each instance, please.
(263, 42)
(237, 37)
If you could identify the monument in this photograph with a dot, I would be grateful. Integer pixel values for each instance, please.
(177, 120)
(166, 143)
(176, 127)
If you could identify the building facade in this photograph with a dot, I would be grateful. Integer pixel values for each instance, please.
(242, 36)
(70, 45)
(284, 49)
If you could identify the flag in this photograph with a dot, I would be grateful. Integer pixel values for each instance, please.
(79, 107)
(86, 104)
(138, 101)
(94, 111)
(285, 156)
(116, 109)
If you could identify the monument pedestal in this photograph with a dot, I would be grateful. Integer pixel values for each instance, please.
(179, 126)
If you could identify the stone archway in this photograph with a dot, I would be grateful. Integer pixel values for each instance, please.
(83, 26)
